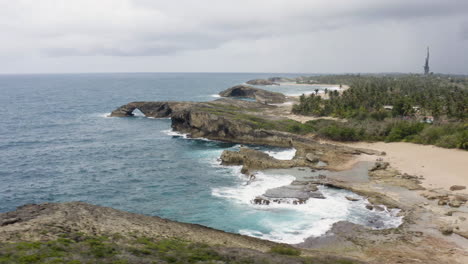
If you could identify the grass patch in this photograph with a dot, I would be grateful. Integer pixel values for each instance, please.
(285, 250)
(80, 249)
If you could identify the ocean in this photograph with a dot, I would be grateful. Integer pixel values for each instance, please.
(57, 144)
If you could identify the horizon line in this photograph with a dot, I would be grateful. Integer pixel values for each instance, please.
(190, 72)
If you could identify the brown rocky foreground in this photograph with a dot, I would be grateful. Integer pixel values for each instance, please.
(74, 222)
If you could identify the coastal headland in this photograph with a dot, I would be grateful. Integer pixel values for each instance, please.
(402, 179)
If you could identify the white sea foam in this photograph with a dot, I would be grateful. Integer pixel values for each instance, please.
(138, 113)
(291, 223)
(287, 154)
(244, 193)
(285, 103)
(170, 132)
(301, 93)
(215, 95)
(173, 133)
(104, 114)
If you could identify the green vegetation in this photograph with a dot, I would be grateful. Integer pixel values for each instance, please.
(80, 249)
(391, 108)
(285, 250)
(391, 130)
(409, 95)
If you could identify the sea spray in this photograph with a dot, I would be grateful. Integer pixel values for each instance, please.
(286, 154)
(289, 223)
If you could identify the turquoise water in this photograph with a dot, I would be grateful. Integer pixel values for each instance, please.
(57, 145)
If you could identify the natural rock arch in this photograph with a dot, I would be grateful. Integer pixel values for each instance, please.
(151, 109)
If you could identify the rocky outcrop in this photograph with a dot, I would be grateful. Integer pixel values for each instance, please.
(39, 222)
(261, 82)
(230, 127)
(294, 193)
(252, 160)
(312, 158)
(446, 198)
(457, 187)
(151, 109)
(260, 95)
(379, 166)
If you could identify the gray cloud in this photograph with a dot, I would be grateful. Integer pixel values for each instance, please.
(464, 31)
(184, 29)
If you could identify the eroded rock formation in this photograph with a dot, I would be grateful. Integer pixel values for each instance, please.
(262, 96)
(151, 109)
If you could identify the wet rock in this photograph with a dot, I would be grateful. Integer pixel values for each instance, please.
(261, 201)
(302, 192)
(457, 187)
(375, 207)
(379, 208)
(349, 198)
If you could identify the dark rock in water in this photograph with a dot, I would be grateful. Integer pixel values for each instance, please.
(349, 198)
(379, 208)
(261, 82)
(261, 200)
(457, 187)
(375, 207)
(376, 222)
(295, 191)
(262, 96)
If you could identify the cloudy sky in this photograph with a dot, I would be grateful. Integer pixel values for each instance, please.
(308, 36)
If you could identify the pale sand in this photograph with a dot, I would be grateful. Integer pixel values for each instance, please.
(324, 96)
(440, 167)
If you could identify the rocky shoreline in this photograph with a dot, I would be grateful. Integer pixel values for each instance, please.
(252, 123)
(433, 220)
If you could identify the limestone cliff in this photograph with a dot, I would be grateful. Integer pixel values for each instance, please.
(151, 109)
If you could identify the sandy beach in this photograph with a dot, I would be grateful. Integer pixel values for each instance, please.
(440, 167)
(318, 85)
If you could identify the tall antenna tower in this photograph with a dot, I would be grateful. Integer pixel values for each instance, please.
(426, 66)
